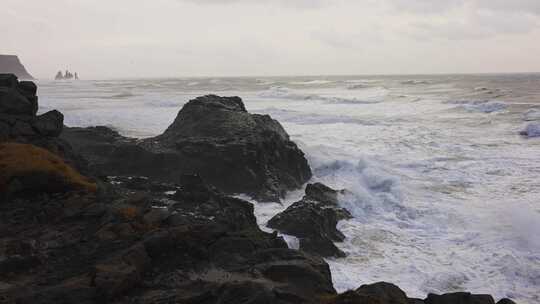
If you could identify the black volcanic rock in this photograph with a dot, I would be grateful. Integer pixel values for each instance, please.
(313, 221)
(214, 137)
(459, 298)
(386, 293)
(17, 98)
(200, 247)
(236, 151)
(10, 64)
(49, 124)
(19, 122)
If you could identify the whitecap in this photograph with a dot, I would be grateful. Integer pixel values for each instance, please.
(415, 82)
(531, 115)
(123, 95)
(484, 106)
(286, 93)
(357, 86)
(303, 118)
(532, 130)
(311, 82)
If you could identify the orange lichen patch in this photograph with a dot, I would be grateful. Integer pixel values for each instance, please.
(36, 169)
(128, 213)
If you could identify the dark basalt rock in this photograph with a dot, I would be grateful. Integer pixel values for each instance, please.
(49, 124)
(234, 150)
(19, 122)
(17, 98)
(378, 293)
(214, 137)
(313, 221)
(459, 298)
(198, 246)
(385, 293)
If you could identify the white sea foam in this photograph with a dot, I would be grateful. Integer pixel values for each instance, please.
(311, 82)
(415, 82)
(488, 107)
(532, 115)
(484, 106)
(303, 118)
(375, 96)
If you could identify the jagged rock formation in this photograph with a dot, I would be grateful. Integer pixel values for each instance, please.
(19, 122)
(10, 64)
(213, 136)
(67, 76)
(313, 221)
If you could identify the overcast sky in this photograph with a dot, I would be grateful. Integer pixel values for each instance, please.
(163, 38)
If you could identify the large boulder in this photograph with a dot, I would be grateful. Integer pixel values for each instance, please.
(386, 293)
(234, 150)
(18, 108)
(378, 293)
(49, 124)
(19, 122)
(313, 221)
(17, 98)
(459, 298)
(214, 137)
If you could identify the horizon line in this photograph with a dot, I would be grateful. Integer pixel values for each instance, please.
(309, 75)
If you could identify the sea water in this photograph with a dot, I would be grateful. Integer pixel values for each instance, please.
(445, 190)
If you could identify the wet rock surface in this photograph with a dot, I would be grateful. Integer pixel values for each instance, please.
(19, 122)
(193, 245)
(313, 221)
(212, 136)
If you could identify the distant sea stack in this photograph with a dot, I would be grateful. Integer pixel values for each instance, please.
(67, 76)
(10, 64)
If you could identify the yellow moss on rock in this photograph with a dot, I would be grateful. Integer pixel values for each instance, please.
(34, 169)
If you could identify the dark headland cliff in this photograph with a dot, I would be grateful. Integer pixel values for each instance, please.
(12, 65)
(90, 216)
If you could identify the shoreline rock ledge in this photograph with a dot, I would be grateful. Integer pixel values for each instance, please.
(213, 136)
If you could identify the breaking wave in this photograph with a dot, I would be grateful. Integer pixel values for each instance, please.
(286, 93)
(484, 106)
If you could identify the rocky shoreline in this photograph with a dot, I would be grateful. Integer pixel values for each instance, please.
(90, 216)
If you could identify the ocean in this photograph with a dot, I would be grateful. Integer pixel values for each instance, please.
(445, 191)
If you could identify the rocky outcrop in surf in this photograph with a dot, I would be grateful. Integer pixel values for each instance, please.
(10, 64)
(20, 123)
(67, 76)
(215, 137)
(313, 221)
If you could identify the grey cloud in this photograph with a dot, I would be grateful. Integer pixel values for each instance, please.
(443, 6)
(284, 3)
